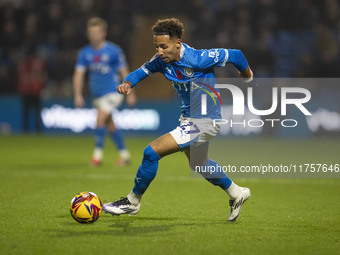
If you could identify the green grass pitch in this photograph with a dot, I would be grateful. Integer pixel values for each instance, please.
(179, 214)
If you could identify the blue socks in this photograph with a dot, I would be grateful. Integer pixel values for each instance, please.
(146, 171)
(100, 133)
(117, 138)
(218, 178)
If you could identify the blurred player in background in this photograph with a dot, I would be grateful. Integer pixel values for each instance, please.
(185, 67)
(107, 67)
(32, 79)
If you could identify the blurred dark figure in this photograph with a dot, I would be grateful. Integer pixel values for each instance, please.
(6, 81)
(31, 81)
(327, 55)
(261, 55)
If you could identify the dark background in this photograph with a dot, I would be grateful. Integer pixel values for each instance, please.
(291, 38)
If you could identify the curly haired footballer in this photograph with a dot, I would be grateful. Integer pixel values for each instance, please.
(184, 67)
(171, 27)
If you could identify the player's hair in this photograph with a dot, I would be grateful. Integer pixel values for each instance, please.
(171, 27)
(96, 21)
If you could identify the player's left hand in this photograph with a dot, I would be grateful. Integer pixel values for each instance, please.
(124, 88)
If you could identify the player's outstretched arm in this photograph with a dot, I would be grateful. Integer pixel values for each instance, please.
(131, 80)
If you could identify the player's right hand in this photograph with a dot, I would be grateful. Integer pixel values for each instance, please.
(124, 88)
(79, 101)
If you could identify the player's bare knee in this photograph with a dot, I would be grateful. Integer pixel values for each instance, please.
(100, 122)
(150, 154)
(111, 126)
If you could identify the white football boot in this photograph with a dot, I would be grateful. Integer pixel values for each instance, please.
(121, 206)
(237, 204)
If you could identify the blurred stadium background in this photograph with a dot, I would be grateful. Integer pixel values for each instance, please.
(291, 38)
(41, 173)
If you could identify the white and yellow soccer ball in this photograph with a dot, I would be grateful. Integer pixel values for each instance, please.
(86, 207)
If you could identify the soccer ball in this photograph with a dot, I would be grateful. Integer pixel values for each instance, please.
(86, 207)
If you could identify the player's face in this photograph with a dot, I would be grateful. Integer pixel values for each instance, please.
(168, 49)
(96, 35)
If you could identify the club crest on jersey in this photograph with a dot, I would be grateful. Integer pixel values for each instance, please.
(105, 57)
(188, 72)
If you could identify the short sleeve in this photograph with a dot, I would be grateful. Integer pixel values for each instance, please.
(211, 58)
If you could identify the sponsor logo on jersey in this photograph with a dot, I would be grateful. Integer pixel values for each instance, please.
(214, 54)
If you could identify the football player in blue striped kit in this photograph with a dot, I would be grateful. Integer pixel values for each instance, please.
(107, 67)
(185, 68)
